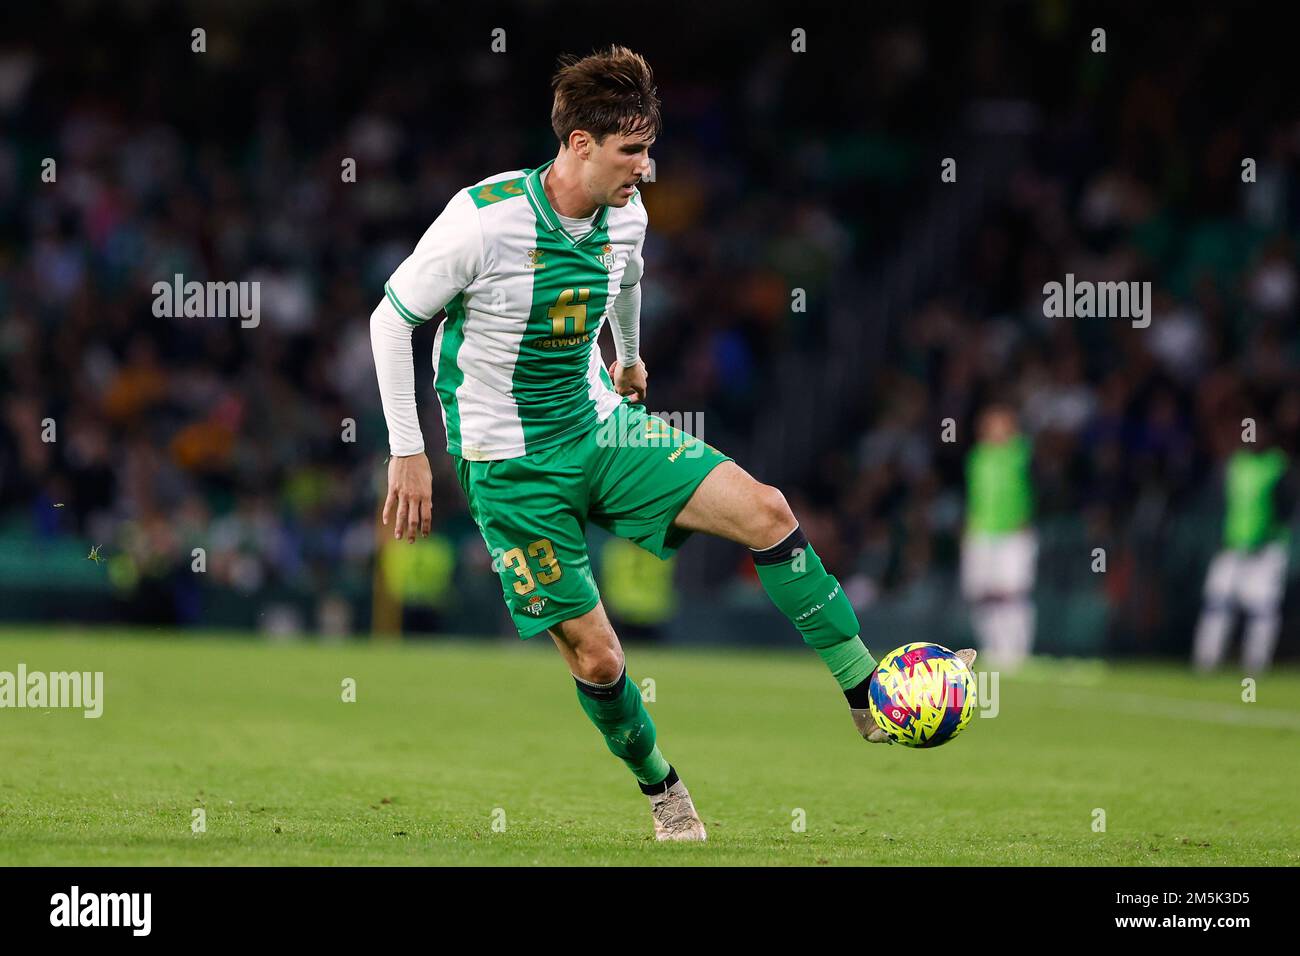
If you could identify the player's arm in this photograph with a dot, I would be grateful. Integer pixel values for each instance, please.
(444, 262)
(627, 369)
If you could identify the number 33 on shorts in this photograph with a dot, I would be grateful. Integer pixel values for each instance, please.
(548, 573)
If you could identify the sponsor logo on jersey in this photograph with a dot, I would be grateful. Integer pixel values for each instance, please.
(534, 259)
(565, 342)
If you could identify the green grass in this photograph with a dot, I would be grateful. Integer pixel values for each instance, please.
(443, 734)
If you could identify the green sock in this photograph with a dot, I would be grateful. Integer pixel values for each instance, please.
(618, 713)
(798, 584)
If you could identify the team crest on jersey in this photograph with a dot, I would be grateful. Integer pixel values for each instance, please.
(606, 257)
(534, 258)
(534, 607)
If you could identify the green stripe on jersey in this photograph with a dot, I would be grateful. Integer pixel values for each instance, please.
(450, 376)
(569, 296)
(402, 310)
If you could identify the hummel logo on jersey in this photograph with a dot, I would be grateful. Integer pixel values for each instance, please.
(533, 256)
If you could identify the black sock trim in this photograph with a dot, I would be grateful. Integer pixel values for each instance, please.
(611, 692)
(780, 553)
(859, 697)
(650, 789)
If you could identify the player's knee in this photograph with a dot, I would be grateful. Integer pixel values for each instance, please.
(772, 517)
(600, 664)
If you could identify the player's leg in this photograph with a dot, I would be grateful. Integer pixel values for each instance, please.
(1012, 558)
(528, 511)
(731, 504)
(980, 595)
(655, 485)
(1263, 581)
(613, 703)
(1216, 612)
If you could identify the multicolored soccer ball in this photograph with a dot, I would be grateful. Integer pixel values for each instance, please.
(922, 695)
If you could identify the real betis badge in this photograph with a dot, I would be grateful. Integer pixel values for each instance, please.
(606, 257)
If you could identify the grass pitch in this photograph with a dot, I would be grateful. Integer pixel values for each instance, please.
(445, 739)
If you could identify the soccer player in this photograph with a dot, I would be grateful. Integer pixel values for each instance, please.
(529, 264)
(1250, 570)
(999, 548)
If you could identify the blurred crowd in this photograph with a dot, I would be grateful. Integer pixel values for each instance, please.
(1127, 422)
(177, 433)
(1130, 425)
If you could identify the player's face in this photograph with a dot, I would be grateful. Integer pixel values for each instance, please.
(616, 166)
(998, 426)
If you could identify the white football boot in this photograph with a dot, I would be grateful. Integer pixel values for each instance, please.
(866, 724)
(675, 816)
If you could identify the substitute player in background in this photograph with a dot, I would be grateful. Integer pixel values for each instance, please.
(1250, 571)
(1000, 548)
(529, 264)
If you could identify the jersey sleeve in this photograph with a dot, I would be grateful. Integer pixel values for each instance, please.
(635, 267)
(625, 310)
(390, 341)
(446, 259)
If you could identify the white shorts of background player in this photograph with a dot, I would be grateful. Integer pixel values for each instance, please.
(997, 580)
(1253, 582)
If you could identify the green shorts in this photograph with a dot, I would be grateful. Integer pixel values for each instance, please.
(631, 475)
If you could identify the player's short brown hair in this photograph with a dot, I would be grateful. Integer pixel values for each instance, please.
(610, 91)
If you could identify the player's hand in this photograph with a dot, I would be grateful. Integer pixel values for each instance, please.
(630, 379)
(410, 493)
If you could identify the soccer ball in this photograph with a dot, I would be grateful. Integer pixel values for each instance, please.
(922, 695)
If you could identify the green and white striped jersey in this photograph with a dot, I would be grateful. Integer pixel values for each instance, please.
(516, 363)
